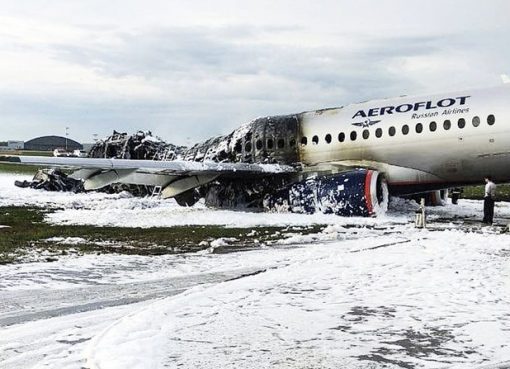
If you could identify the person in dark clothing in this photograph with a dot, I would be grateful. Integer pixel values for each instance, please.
(488, 200)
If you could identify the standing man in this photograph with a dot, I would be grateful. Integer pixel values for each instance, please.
(488, 200)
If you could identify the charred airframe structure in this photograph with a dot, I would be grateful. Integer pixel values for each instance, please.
(141, 146)
(344, 160)
(269, 140)
(52, 180)
(279, 140)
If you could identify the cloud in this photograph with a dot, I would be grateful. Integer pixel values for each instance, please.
(210, 73)
(207, 61)
(212, 79)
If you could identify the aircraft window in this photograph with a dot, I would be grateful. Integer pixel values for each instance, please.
(292, 142)
(392, 131)
(270, 144)
(315, 140)
(328, 138)
(341, 137)
(491, 119)
(461, 123)
(419, 128)
(432, 126)
(476, 121)
(353, 135)
(378, 132)
(259, 145)
(447, 125)
(304, 141)
(281, 143)
(238, 147)
(405, 129)
(366, 134)
(247, 147)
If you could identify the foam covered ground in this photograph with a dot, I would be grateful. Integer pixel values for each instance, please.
(363, 293)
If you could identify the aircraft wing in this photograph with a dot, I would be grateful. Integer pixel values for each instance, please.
(174, 177)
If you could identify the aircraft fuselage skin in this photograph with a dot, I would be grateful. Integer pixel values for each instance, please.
(426, 142)
(419, 144)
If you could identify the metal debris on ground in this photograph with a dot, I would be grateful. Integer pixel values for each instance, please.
(141, 145)
(52, 180)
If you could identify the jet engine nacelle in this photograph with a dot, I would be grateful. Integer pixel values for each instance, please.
(355, 193)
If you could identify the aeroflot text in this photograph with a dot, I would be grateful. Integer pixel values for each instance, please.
(405, 108)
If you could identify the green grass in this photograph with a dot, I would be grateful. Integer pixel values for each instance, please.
(27, 232)
(477, 192)
(31, 153)
(19, 168)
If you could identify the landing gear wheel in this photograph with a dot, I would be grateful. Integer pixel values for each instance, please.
(188, 198)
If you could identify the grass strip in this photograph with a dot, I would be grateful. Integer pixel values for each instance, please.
(27, 232)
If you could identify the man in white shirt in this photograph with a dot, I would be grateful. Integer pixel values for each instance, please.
(488, 200)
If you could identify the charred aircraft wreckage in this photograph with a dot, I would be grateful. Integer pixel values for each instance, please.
(271, 140)
(278, 140)
(343, 161)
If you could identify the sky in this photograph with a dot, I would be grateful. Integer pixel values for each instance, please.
(188, 70)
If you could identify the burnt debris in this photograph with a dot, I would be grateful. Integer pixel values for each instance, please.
(55, 180)
(268, 140)
(141, 145)
(52, 180)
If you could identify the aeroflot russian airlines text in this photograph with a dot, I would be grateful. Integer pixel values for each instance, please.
(405, 108)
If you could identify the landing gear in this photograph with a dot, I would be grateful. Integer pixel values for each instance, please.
(188, 198)
(456, 192)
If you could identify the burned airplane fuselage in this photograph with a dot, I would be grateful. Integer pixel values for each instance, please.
(269, 140)
(279, 140)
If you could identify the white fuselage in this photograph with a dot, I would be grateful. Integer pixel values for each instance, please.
(474, 141)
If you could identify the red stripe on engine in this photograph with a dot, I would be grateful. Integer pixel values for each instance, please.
(368, 194)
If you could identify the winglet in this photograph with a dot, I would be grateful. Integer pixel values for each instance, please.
(10, 159)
